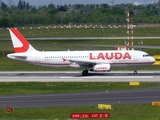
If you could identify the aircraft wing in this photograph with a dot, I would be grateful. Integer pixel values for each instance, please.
(86, 63)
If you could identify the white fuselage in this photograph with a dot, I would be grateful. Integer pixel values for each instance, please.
(75, 58)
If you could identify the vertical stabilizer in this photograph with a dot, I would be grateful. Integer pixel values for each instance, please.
(20, 43)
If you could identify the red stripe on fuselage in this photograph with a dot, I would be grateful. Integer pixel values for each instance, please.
(135, 63)
(24, 42)
(66, 64)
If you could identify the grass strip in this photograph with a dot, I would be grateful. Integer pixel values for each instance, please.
(118, 112)
(82, 32)
(17, 88)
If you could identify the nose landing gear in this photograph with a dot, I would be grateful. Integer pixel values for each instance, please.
(135, 71)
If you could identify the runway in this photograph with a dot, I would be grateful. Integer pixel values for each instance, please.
(70, 76)
(134, 96)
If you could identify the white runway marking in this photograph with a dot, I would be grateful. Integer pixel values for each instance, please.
(105, 77)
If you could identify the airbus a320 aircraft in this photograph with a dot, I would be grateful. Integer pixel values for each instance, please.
(98, 61)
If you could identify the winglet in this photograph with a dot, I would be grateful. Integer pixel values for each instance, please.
(20, 43)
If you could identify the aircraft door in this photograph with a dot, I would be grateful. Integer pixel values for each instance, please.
(37, 58)
(135, 56)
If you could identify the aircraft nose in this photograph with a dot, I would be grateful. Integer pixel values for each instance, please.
(153, 59)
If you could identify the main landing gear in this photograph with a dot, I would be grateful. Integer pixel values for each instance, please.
(85, 72)
(135, 71)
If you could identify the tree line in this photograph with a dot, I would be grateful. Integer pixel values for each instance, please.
(25, 14)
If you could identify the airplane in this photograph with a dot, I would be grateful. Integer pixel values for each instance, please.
(92, 60)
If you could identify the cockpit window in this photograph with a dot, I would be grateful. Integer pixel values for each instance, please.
(146, 55)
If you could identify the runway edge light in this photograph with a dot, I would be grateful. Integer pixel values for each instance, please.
(134, 83)
(155, 103)
(104, 106)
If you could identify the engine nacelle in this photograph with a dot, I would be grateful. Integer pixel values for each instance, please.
(102, 68)
(74, 65)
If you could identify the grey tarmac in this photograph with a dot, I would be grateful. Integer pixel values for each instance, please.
(113, 97)
(72, 76)
(133, 96)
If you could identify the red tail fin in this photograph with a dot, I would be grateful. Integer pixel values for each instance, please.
(20, 44)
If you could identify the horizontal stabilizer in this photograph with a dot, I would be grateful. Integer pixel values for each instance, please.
(17, 57)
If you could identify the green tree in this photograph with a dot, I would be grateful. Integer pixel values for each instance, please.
(52, 11)
(21, 4)
(3, 6)
(27, 5)
(4, 22)
(62, 9)
(51, 6)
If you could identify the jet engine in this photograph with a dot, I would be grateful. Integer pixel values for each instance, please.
(102, 68)
(74, 65)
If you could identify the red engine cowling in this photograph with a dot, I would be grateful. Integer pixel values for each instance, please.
(102, 67)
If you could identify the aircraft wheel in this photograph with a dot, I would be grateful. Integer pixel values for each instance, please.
(135, 72)
(85, 72)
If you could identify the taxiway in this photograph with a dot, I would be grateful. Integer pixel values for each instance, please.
(134, 96)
